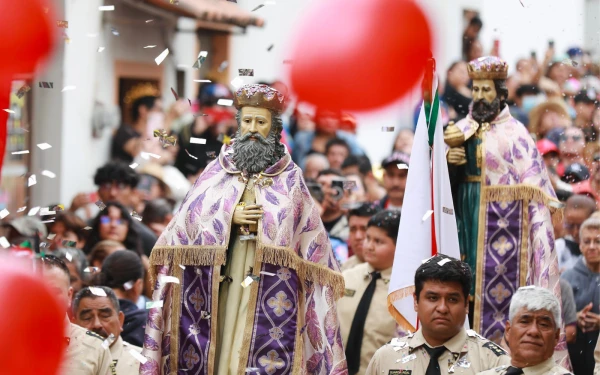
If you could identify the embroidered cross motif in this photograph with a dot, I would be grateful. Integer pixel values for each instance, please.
(271, 362)
(190, 357)
(500, 293)
(197, 300)
(502, 246)
(280, 303)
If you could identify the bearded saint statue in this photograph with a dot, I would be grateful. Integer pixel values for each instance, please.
(245, 277)
(504, 201)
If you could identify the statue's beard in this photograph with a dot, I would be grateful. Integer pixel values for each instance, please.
(254, 156)
(484, 111)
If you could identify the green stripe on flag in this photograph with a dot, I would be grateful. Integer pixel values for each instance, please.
(432, 117)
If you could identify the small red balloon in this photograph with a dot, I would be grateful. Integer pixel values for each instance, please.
(359, 54)
(31, 322)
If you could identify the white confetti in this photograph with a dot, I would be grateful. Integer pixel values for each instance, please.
(237, 82)
(109, 340)
(133, 166)
(106, 8)
(69, 256)
(152, 304)
(247, 281)
(4, 213)
(8, 110)
(198, 141)
(267, 273)
(100, 49)
(169, 279)
(48, 221)
(159, 59)
(136, 216)
(203, 80)
(147, 155)
(91, 269)
(402, 166)
(148, 21)
(427, 215)
(128, 285)
(44, 146)
(409, 358)
(20, 152)
(4, 242)
(97, 291)
(182, 266)
(225, 102)
(48, 174)
(21, 209)
(138, 356)
(68, 88)
(87, 228)
(31, 180)
(51, 236)
(150, 46)
(443, 261)
(33, 211)
(190, 155)
(46, 211)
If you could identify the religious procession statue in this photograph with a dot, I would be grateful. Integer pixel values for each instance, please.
(504, 201)
(245, 278)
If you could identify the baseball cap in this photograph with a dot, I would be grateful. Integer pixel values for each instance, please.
(545, 146)
(396, 158)
(28, 226)
(588, 96)
(575, 173)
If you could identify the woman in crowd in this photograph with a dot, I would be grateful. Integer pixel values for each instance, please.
(102, 250)
(457, 93)
(114, 223)
(551, 114)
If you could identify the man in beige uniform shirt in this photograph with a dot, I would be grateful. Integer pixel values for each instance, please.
(441, 345)
(357, 222)
(532, 332)
(101, 314)
(85, 354)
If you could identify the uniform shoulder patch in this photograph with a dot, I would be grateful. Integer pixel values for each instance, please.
(400, 372)
(94, 334)
(495, 348)
(349, 292)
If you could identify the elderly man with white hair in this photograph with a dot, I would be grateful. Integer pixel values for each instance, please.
(532, 332)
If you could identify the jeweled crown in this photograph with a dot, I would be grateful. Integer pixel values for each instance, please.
(261, 96)
(488, 67)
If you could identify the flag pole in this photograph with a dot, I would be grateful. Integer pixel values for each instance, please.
(428, 96)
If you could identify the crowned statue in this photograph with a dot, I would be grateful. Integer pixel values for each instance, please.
(504, 201)
(245, 278)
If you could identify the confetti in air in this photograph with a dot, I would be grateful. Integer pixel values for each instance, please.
(201, 59)
(402, 166)
(44, 146)
(4, 213)
(246, 72)
(106, 8)
(153, 304)
(258, 7)
(159, 59)
(198, 141)
(46, 85)
(190, 155)
(225, 102)
(23, 90)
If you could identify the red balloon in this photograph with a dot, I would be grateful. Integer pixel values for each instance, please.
(28, 35)
(359, 54)
(31, 322)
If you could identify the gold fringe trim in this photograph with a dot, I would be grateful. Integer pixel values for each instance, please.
(186, 255)
(399, 318)
(305, 269)
(524, 193)
(175, 315)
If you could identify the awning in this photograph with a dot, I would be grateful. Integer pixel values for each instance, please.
(218, 11)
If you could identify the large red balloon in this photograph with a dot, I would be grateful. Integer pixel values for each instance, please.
(31, 322)
(359, 54)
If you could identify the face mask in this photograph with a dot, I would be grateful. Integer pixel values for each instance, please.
(529, 102)
(572, 112)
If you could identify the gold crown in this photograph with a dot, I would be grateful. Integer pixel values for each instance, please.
(488, 67)
(139, 91)
(259, 96)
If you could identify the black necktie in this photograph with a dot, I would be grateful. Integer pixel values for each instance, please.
(513, 371)
(434, 355)
(358, 326)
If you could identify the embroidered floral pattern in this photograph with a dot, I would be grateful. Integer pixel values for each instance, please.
(284, 274)
(280, 303)
(191, 357)
(276, 333)
(500, 293)
(197, 299)
(271, 362)
(502, 245)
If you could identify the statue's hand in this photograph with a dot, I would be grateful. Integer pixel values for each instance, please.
(457, 156)
(247, 215)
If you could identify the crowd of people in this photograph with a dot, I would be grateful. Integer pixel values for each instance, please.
(102, 241)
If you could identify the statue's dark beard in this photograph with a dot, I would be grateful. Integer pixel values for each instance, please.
(484, 111)
(254, 156)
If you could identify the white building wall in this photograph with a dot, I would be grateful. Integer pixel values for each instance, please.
(592, 31)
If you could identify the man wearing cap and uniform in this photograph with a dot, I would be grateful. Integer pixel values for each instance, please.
(395, 171)
(441, 345)
(532, 332)
(101, 314)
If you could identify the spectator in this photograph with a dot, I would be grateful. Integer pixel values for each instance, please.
(358, 218)
(576, 173)
(77, 263)
(333, 217)
(102, 315)
(116, 182)
(67, 227)
(157, 215)
(584, 278)
(569, 311)
(591, 186)
(527, 97)
(114, 223)
(457, 93)
(355, 193)
(558, 72)
(214, 121)
(361, 165)
(578, 209)
(336, 151)
(123, 272)
(86, 355)
(470, 35)
(25, 230)
(544, 117)
(394, 180)
(404, 141)
(102, 250)
(475, 50)
(585, 105)
(314, 164)
(571, 146)
(365, 324)
(127, 141)
(313, 139)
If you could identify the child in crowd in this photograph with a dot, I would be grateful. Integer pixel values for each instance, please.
(365, 323)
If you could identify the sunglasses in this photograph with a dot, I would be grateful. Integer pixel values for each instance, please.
(575, 138)
(107, 220)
